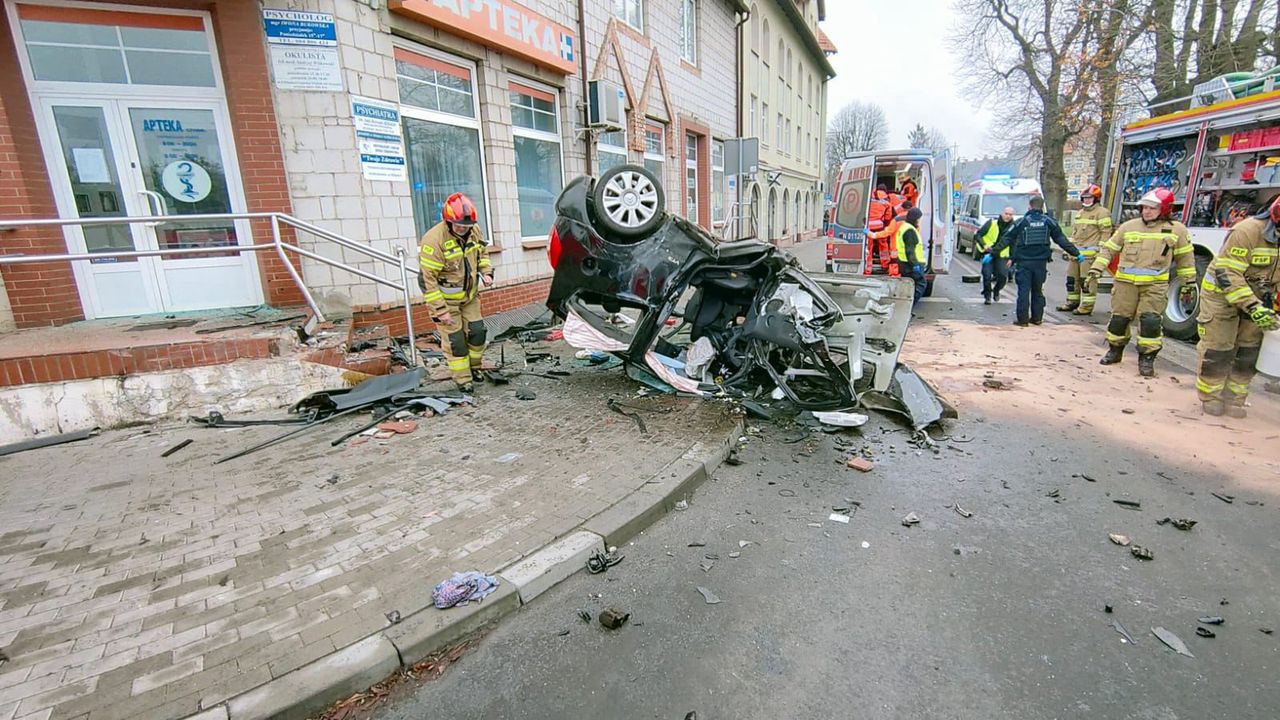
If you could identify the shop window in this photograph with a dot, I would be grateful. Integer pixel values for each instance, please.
(432, 84)
(631, 12)
(441, 135)
(98, 48)
(539, 177)
(689, 31)
(691, 177)
(655, 149)
(717, 181)
(611, 150)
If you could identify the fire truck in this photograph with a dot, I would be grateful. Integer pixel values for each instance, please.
(1221, 159)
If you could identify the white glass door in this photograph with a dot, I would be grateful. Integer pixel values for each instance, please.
(182, 168)
(129, 157)
(92, 178)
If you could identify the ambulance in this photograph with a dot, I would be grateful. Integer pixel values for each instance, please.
(858, 178)
(985, 199)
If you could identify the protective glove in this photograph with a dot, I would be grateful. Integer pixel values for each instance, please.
(1094, 274)
(919, 269)
(1264, 317)
(1080, 258)
(986, 259)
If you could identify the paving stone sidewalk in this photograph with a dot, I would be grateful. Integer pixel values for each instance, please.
(133, 586)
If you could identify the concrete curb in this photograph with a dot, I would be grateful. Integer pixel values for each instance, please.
(314, 686)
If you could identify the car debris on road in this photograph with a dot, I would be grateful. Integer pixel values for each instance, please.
(745, 315)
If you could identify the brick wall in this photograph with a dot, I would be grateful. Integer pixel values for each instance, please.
(323, 169)
(47, 294)
(491, 303)
(43, 294)
(702, 96)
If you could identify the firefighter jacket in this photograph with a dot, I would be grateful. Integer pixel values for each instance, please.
(989, 233)
(1146, 250)
(1091, 227)
(910, 249)
(451, 268)
(1247, 269)
(1030, 236)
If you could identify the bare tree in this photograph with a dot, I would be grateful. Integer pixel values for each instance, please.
(1193, 41)
(1031, 59)
(857, 127)
(931, 139)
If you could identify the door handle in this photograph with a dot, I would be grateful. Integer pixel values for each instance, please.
(156, 202)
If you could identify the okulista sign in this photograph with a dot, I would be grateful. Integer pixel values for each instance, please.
(501, 24)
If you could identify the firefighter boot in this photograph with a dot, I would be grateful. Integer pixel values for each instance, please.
(1213, 407)
(1115, 353)
(1083, 310)
(1237, 411)
(1073, 296)
(1147, 364)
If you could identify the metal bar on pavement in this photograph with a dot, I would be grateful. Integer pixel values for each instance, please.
(408, 307)
(338, 239)
(293, 272)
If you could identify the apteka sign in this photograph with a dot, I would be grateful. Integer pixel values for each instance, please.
(500, 24)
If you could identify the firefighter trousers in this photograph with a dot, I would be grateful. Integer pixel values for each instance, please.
(1229, 347)
(1146, 304)
(463, 339)
(1081, 292)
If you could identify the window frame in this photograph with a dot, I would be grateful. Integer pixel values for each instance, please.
(718, 186)
(764, 124)
(444, 118)
(690, 143)
(625, 6)
(688, 43)
(215, 92)
(659, 157)
(517, 81)
(614, 149)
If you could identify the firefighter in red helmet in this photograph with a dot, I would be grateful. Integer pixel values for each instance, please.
(1146, 246)
(1091, 226)
(455, 263)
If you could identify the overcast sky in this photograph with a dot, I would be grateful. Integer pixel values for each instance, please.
(897, 55)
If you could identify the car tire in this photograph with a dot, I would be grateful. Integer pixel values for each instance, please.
(627, 203)
(928, 288)
(1180, 322)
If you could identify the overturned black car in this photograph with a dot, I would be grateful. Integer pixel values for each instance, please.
(713, 318)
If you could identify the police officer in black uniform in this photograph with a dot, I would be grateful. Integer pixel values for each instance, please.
(1029, 238)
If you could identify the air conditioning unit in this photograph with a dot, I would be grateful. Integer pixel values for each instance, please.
(606, 105)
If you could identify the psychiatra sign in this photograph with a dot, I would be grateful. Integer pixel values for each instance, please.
(502, 24)
(378, 135)
(304, 50)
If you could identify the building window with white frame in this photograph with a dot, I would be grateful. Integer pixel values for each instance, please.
(781, 129)
(442, 140)
(691, 177)
(611, 150)
(631, 12)
(717, 181)
(655, 144)
(753, 126)
(764, 124)
(535, 129)
(689, 31)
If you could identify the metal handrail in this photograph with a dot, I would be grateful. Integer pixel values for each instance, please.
(281, 247)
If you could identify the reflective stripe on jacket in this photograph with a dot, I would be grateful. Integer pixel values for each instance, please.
(451, 268)
(1147, 250)
(908, 233)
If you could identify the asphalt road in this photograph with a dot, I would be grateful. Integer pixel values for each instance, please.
(999, 615)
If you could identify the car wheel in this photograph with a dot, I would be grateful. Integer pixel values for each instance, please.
(628, 202)
(1179, 315)
(928, 288)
